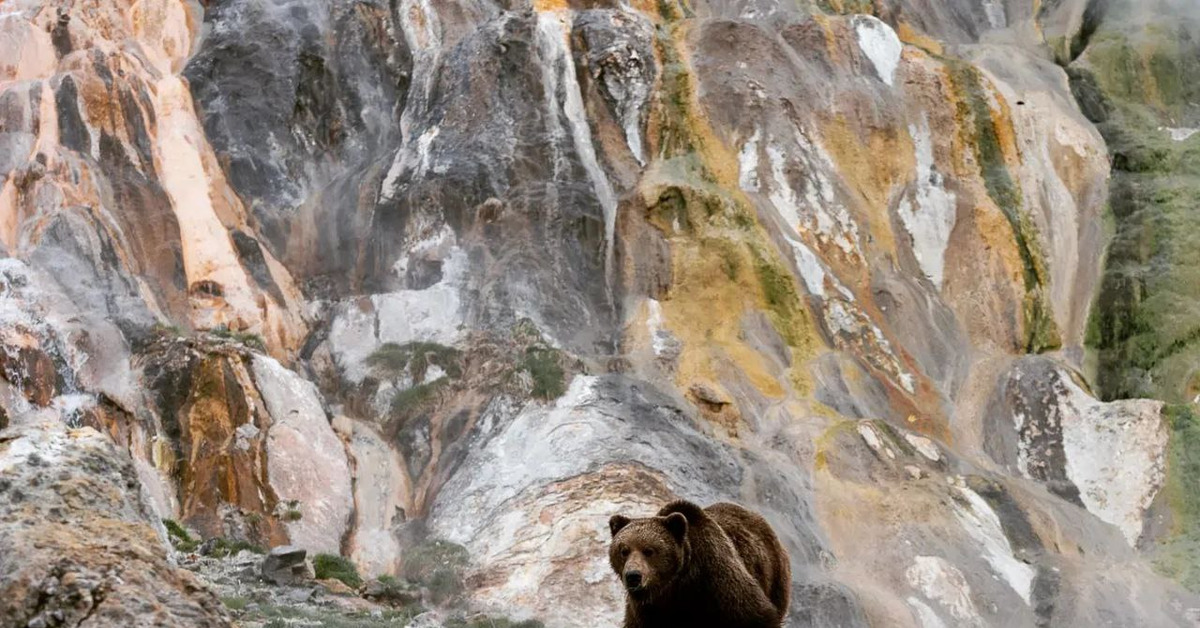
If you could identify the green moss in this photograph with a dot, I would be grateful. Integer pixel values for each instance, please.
(1178, 555)
(1041, 331)
(784, 307)
(329, 566)
(543, 365)
(1143, 327)
(179, 537)
(675, 115)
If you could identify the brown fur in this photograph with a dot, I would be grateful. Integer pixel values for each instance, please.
(715, 567)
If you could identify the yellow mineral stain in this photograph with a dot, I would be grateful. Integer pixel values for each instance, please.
(910, 35)
(714, 273)
(544, 6)
(874, 162)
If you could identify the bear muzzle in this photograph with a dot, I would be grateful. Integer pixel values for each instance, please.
(633, 580)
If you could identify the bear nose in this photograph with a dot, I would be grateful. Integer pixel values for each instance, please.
(633, 579)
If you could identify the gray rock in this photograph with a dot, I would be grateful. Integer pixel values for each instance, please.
(287, 565)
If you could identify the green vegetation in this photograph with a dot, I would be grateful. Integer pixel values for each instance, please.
(393, 360)
(338, 568)
(223, 547)
(1178, 554)
(1041, 332)
(491, 622)
(290, 511)
(1143, 325)
(438, 566)
(235, 603)
(179, 537)
(784, 307)
(409, 403)
(390, 590)
(543, 365)
(248, 340)
(273, 616)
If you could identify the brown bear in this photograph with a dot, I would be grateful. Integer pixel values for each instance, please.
(693, 567)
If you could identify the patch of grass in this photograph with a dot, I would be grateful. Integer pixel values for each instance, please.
(223, 547)
(235, 603)
(179, 537)
(246, 339)
(329, 566)
(549, 380)
(1178, 555)
(1142, 324)
(409, 402)
(392, 360)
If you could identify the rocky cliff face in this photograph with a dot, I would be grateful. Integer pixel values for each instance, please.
(913, 279)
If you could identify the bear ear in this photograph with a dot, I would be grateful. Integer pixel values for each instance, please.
(616, 522)
(677, 525)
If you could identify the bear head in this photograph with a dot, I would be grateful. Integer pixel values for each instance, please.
(648, 554)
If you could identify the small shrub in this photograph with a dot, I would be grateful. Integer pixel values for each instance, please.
(548, 377)
(249, 340)
(338, 568)
(410, 401)
(438, 566)
(179, 537)
(289, 511)
(222, 547)
(391, 360)
(444, 585)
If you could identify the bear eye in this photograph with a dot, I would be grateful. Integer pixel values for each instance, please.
(624, 551)
(648, 552)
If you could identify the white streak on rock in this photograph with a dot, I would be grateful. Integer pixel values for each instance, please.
(931, 214)
(559, 71)
(924, 446)
(881, 45)
(940, 581)
(925, 615)
(982, 524)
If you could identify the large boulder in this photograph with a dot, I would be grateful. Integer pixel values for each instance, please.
(287, 564)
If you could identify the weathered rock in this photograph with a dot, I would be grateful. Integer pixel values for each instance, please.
(336, 587)
(1107, 457)
(850, 224)
(392, 592)
(79, 542)
(287, 564)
